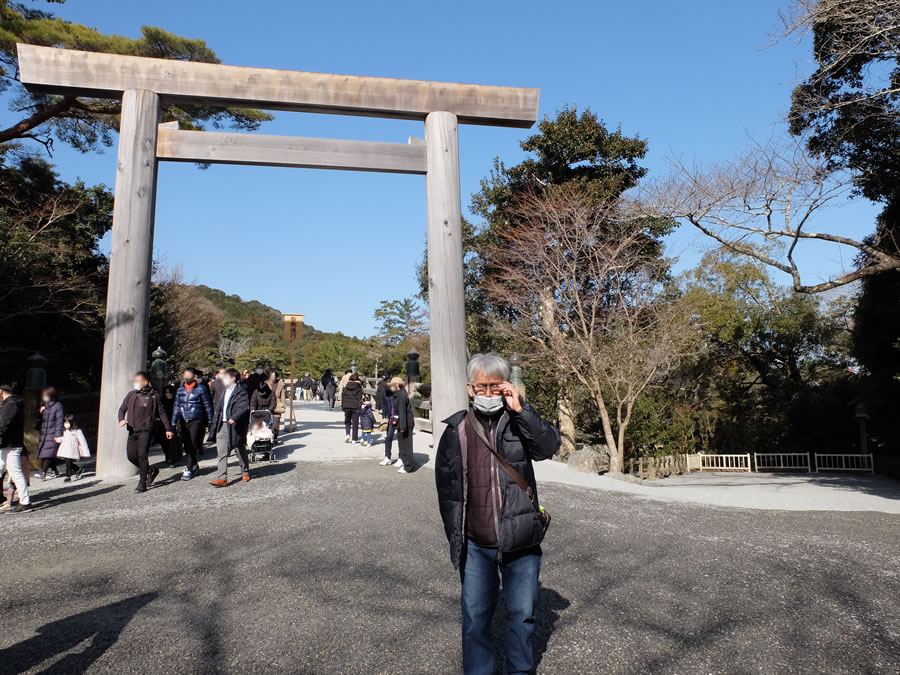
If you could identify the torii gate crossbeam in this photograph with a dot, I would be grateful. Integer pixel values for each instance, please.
(144, 84)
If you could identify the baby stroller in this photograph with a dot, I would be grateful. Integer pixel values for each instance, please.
(261, 446)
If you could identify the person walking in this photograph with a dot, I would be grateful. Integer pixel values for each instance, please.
(493, 524)
(404, 422)
(389, 420)
(343, 383)
(351, 400)
(278, 387)
(52, 418)
(12, 442)
(170, 446)
(251, 384)
(229, 427)
(193, 413)
(308, 386)
(72, 446)
(139, 411)
(329, 387)
(216, 387)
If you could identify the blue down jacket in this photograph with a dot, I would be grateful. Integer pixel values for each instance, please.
(192, 405)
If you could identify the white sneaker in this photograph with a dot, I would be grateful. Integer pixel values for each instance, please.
(355, 442)
(386, 462)
(402, 470)
(364, 444)
(347, 440)
(397, 462)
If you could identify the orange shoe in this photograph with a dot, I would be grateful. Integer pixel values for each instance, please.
(218, 482)
(245, 477)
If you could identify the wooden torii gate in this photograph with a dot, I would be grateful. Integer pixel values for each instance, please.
(143, 83)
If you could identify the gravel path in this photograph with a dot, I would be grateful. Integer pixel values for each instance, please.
(341, 567)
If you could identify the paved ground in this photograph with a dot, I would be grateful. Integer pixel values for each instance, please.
(341, 566)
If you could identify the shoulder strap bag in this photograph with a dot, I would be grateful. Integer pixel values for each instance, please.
(517, 478)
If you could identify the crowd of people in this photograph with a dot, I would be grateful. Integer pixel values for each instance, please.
(485, 482)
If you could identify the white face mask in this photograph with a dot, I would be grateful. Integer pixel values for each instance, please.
(66, 425)
(46, 399)
(137, 386)
(227, 381)
(488, 404)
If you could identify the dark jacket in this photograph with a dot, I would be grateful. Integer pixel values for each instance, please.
(192, 405)
(367, 419)
(328, 382)
(215, 390)
(380, 391)
(142, 408)
(253, 381)
(12, 423)
(51, 428)
(238, 410)
(352, 395)
(386, 402)
(263, 398)
(521, 438)
(404, 412)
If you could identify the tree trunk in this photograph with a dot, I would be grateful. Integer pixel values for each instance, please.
(566, 426)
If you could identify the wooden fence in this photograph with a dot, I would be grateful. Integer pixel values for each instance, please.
(725, 462)
(781, 461)
(837, 462)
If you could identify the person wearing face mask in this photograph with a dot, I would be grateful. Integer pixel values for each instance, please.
(193, 412)
(229, 427)
(139, 412)
(494, 526)
(52, 417)
(170, 446)
(72, 446)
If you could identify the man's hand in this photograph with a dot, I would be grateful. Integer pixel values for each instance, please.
(122, 423)
(510, 396)
(169, 435)
(230, 421)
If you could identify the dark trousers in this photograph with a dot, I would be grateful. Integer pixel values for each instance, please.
(49, 464)
(192, 438)
(138, 452)
(389, 439)
(351, 419)
(405, 449)
(329, 399)
(71, 467)
(480, 587)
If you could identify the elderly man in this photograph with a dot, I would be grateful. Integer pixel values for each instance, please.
(494, 526)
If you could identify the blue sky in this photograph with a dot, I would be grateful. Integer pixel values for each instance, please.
(697, 79)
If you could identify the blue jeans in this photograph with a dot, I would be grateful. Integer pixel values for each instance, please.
(480, 586)
(367, 436)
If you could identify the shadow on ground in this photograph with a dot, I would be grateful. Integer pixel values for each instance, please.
(101, 626)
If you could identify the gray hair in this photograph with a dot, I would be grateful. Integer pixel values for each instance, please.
(489, 364)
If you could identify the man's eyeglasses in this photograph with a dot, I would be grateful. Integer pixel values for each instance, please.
(483, 389)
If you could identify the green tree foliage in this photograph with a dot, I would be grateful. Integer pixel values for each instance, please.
(772, 373)
(88, 124)
(400, 321)
(848, 109)
(52, 274)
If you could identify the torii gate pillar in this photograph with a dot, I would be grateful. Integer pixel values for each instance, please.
(130, 270)
(446, 292)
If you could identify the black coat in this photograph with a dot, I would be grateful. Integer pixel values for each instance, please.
(142, 409)
(12, 422)
(263, 399)
(238, 410)
(352, 395)
(521, 438)
(52, 420)
(404, 412)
